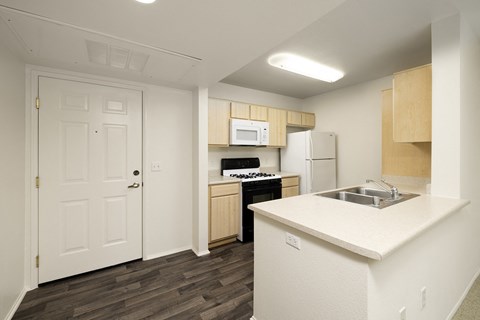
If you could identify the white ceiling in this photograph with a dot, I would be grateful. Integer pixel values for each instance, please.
(366, 39)
(224, 35)
(198, 43)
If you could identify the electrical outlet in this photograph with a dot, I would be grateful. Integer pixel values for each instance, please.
(292, 240)
(403, 313)
(423, 292)
(156, 166)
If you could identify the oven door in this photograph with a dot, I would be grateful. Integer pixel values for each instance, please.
(255, 194)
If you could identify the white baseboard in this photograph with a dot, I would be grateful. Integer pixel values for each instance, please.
(16, 304)
(166, 253)
(201, 253)
(459, 303)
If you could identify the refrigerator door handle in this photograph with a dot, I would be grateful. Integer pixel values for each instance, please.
(310, 146)
(310, 180)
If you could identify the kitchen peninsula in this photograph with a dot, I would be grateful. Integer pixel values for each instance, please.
(349, 261)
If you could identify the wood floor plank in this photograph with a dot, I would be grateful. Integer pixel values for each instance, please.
(180, 286)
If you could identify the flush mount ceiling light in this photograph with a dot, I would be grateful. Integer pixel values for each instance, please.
(305, 67)
(146, 1)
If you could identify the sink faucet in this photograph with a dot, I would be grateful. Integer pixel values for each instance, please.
(392, 189)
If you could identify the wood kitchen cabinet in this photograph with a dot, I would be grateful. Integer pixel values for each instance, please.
(308, 119)
(218, 122)
(290, 187)
(277, 119)
(300, 119)
(224, 213)
(240, 110)
(221, 111)
(246, 111)
(258, 113)
(412, 105)
(402, 159)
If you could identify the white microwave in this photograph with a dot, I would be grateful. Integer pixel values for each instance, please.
(248, 133)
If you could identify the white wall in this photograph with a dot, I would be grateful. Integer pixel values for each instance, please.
(200, 174)
(446, 107)
(268, 157)
(469, 135)
(355, 115)
(318, 282)
(12, 177)
(438, 260)
(168, 193)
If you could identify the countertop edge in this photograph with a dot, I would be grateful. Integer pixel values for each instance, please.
(462, 204)
(372, 254)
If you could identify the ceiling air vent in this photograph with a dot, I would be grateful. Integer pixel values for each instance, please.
(116, 57)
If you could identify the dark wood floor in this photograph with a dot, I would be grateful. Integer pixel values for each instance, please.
(179, 286)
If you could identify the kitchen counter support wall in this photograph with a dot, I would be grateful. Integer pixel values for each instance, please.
(322, 281)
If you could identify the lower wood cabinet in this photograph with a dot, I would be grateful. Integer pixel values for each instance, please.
(290, 187)
(224, 213)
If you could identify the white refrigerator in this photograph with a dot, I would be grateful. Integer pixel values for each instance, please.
(312, 155)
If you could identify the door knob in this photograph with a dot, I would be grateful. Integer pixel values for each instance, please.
(134, 185)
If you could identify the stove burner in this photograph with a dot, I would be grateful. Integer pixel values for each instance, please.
(251, 175)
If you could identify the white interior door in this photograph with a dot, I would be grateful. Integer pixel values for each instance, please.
(90, 195)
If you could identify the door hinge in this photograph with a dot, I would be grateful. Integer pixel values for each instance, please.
(37, 182)
(37, 102)
(37, 261)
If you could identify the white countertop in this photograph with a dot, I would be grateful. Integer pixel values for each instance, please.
(218, 179)
(367, 231)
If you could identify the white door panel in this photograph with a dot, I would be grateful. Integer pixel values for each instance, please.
(90, 143)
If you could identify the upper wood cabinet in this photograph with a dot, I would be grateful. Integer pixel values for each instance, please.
(258, 113)
(218, 122)
(401, 159)
(412, 105)
(277, 119)
(300, 119)
(294, 118)
(221, 111)
(240, 110)
(308, 119)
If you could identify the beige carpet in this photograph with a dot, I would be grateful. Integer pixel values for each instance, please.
(470, 308)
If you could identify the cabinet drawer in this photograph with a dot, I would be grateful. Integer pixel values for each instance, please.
(290, 192)
(289, 182)
(224, 189)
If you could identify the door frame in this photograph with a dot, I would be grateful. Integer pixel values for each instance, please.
(32, 74)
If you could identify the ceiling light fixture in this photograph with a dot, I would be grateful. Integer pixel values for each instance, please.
(146, 1)
(305, 67)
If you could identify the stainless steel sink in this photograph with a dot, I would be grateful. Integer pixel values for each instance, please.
(367, 196)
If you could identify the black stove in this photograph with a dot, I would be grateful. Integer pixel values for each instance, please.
(256, 187)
